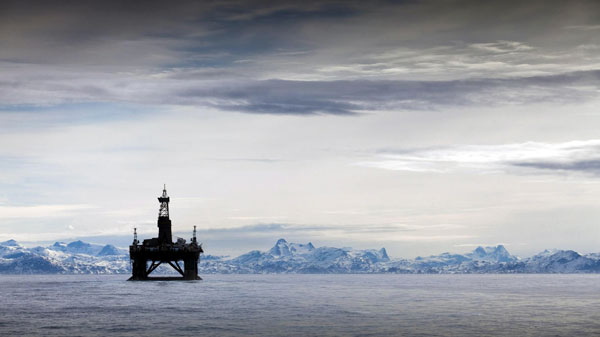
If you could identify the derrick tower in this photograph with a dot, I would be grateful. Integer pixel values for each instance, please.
(164, 222)
(162, 249)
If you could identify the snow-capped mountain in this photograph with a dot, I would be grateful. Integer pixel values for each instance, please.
(10, 243)
(80, 247)
(492, 254)
(286, 257)
(109, 250)
(562, 261)
(74, 258)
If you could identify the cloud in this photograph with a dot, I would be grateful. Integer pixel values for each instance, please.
(502, 46)
(41, 211)
(313, 58)
(583, 27)
(482, 244)
(344, 97)
(590, 166)
(284, 97)
(355, 96)
(367, 232)
(529, 157)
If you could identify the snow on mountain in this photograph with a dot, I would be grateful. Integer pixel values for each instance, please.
(594, 256)
(10, 243)
(77, 247)
(283, 248)
(562, 261)
(28, 264)
(10, 247)
(286, 257)
(76, 257)
(492, 254)
(111, 250)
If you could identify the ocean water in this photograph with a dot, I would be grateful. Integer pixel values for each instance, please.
(302, 305)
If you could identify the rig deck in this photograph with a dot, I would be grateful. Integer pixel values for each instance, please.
(162, 250)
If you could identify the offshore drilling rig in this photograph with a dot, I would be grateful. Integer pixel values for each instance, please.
(162, 250)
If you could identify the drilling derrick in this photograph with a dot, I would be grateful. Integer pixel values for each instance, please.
(164, 223)
(146, 257)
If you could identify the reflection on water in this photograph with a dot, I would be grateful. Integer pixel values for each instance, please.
(302, 305)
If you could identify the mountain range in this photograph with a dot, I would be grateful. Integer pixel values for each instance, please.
(79, 257)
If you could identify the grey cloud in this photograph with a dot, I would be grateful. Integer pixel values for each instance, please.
(352, 97)
(591, 166)
(251, 160)
(502, 46)
(285, 229)
(155, 52)
(89, 31)
(584, 27)
(257, 228)
(162, 34)
(346, 97)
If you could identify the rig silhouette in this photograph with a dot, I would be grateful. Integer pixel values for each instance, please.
(163, 250)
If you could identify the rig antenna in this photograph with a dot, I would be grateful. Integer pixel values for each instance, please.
(135, 240)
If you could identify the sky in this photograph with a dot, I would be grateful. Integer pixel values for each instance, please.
(418, 126)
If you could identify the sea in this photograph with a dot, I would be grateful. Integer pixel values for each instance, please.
(301, 305)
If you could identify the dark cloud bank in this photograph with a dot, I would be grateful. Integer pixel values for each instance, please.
(346, 97)
(216, 53)
(351, 97)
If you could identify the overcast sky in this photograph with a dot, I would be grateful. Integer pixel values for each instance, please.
(419, 126)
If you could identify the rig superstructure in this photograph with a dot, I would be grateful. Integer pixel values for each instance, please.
(163, 250)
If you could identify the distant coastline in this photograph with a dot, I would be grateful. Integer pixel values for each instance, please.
(79, 257)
